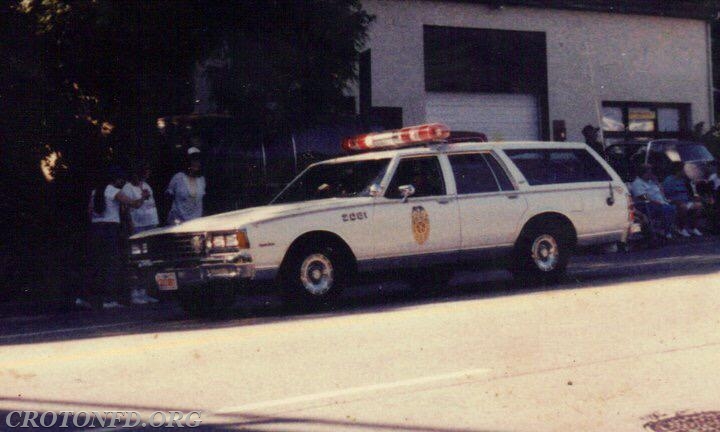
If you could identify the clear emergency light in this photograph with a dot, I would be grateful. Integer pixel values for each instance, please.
(404, 137)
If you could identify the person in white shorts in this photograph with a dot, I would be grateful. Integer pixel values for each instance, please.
(142, 218)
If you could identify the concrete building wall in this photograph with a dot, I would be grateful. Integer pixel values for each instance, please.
(592, 57)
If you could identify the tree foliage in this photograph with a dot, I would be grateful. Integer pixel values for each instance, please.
(85, 80)
(286, 63)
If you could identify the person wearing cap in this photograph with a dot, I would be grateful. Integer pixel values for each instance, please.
(187, 189)
(104, 268)
(590, 133)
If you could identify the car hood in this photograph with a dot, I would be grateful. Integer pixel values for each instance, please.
(239, 218)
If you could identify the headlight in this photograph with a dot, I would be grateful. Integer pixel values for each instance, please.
(218, 242)
(231, 240)
(236, 240)
(137, 248)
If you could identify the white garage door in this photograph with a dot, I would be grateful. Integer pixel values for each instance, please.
(500, 116)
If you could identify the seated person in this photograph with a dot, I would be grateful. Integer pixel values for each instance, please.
(651, 200)
(714, 179)
(714, 182)
(678, 192)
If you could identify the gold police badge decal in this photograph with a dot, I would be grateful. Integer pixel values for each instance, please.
(420, 224)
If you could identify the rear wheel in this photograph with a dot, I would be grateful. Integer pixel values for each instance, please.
(315, 275)
(542, 252)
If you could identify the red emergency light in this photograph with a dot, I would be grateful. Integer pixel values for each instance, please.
(404, 137)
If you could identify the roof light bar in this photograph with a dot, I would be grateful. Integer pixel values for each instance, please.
(404, 137)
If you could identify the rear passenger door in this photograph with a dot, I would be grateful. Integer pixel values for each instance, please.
(489, 204)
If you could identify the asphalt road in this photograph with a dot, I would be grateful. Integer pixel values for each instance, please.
(627, 341)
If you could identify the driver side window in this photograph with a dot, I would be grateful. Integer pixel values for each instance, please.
(424, 173)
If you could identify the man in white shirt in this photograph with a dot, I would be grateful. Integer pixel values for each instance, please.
(187, 190)
(650, 199)
(144, 217)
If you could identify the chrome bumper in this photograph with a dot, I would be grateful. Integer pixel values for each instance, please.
(190, 274)
(207, 272)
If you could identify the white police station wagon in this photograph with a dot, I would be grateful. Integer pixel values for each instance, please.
(410, 201)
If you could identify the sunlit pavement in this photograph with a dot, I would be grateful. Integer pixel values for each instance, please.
(628, 339)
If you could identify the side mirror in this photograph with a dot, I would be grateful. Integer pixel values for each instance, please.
(406, 191)
(375, 190)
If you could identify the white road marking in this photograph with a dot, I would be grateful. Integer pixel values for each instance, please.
(66, 330)
(352, 391)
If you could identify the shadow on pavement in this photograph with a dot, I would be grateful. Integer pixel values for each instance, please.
(68, 414)
(586, 271)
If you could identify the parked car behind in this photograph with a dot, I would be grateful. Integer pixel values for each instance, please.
(627, 157)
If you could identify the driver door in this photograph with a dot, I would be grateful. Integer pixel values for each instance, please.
(422, 229)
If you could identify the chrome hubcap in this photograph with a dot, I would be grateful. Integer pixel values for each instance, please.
(545, 252)
(316, 274)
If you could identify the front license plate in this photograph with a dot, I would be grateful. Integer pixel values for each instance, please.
(166, 281)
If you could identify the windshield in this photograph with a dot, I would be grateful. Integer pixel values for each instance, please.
(334, 180)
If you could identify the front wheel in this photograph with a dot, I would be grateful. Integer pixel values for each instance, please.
(541, 254)
(314, 276)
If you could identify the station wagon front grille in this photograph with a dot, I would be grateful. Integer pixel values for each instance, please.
(176, 247)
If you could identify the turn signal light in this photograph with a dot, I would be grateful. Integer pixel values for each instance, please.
(242, 240)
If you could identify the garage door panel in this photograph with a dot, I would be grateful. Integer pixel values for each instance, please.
(502, 117)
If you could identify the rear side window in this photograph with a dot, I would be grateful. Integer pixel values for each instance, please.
(500, 174)
(478, 173)
(549, 166)
(472, 174)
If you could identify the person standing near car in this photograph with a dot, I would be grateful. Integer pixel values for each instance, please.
(187, 189)
(590, 133)
(142, 218)
(105, 276)
(678, 191)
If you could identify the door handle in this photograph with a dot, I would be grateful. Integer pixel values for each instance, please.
(611, 199)
(513, 196)
(443, 201)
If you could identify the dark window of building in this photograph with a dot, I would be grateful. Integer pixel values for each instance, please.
(484, 60)
(423, 173)
(642, 121)
(472, 174)
(471, 60)
(547, 166)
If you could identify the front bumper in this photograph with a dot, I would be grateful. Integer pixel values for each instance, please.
(189, 277)
(190, 274)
